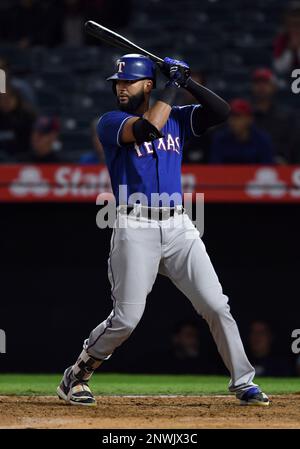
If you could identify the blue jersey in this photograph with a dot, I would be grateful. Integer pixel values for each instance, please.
(153, 167)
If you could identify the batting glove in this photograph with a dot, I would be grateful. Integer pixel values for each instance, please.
(178, 72)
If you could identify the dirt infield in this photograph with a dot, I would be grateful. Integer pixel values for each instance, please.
(149, 412)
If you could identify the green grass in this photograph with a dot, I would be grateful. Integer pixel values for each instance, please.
(118, 384)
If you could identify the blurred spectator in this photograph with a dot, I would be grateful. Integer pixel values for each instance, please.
(185, 348)
(260, 341)
(52, 22)
(50, 27)
(271, 116)
(43, 140)
(97, 155)
(73, 23)
(183, 355)
(26, 91)
(32, 22)
(16, 120)
(287, 43)
(241, 142)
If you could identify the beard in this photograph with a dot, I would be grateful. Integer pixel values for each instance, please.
(133, 103)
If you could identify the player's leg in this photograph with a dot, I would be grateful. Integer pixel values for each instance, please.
(188, 265)
(132, 269)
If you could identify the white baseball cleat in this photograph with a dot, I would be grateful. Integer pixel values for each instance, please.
(75, 392)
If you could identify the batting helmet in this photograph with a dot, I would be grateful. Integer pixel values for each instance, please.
(134, 67)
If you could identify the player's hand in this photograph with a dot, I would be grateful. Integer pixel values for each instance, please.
(177, 71)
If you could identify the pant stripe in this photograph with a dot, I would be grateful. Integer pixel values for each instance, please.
(112, 295)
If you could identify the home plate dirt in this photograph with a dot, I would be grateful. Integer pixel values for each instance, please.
(149, 412)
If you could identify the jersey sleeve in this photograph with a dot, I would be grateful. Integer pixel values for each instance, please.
(110, 126)
(184, 116)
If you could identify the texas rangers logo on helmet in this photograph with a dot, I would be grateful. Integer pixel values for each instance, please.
(121, 65)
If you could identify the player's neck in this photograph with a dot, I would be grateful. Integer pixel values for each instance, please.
(143, 108)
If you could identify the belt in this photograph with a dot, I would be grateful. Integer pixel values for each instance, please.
(153, 213)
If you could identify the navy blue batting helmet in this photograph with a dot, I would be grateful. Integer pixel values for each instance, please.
(134, 67)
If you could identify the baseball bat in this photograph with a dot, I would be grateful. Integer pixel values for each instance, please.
(112, 38)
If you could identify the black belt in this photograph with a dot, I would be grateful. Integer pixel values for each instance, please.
(154, 213)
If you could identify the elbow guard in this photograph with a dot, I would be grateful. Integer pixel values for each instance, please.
(144, 131)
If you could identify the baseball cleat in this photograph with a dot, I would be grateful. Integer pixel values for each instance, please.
(75, 392)
(254, 396)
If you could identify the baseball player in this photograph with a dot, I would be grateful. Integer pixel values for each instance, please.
(143, 152)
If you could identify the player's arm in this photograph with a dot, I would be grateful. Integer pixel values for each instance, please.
(117, 128)
(147, 128)
(213, 111)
